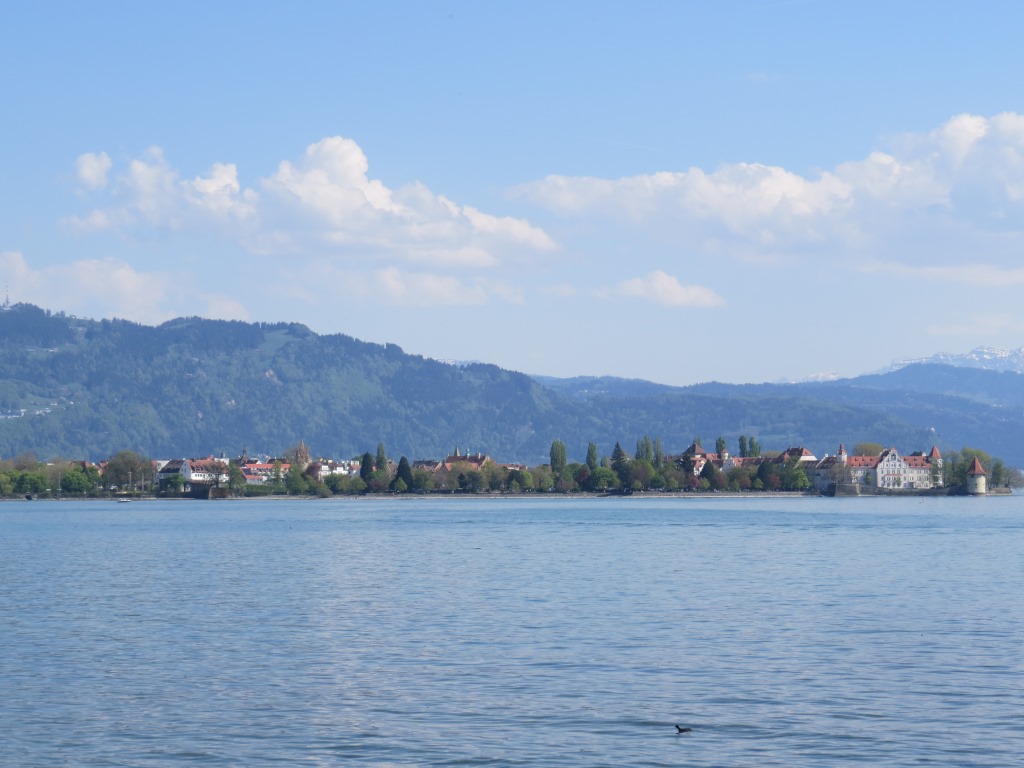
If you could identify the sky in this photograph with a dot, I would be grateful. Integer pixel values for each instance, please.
(738, 191)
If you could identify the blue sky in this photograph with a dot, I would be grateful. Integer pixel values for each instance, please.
(682, 192)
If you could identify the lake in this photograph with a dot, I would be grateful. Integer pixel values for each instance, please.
(513, 632)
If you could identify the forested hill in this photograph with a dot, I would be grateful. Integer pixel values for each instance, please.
(85, 389)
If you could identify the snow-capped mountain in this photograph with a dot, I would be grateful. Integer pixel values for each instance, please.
(988, 358)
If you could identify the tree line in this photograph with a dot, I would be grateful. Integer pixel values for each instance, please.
(646, 469)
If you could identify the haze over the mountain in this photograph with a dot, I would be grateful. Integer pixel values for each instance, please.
(85, 389)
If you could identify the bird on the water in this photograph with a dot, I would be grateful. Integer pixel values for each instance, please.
(680, 729)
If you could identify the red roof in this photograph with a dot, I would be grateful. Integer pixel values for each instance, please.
(976, 468)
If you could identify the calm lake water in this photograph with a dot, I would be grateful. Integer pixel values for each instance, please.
(464, 632)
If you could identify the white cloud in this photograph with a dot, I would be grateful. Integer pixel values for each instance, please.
(662, 288)
(961, 182)
(91, 287)
(323, 204)
(92, 169)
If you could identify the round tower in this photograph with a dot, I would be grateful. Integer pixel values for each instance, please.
(977, 479)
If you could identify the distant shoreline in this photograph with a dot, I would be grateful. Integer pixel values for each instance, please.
(411, 497)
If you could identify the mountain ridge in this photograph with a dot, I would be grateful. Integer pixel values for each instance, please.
(87, 388)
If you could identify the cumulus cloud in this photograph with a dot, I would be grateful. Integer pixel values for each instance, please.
(105, 287)
(323, 204)
(958, 182)
(662, 288)
(92, 169)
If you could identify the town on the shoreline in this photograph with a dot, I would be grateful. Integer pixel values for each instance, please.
(869, 469)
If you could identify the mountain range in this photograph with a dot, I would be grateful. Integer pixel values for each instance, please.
(82, 388)
(986, 358)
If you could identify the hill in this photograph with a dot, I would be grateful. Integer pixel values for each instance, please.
(75, 387)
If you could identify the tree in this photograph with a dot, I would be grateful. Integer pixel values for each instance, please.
(366, 467)
(236, 479)
(659, 454)
(740, 478)
(126, 469)
(381, 461)
(404, 473)
(793, 477)
(720, 445)
(753, 447)
(713, 476)
(295, 482)
(75, 481)
(422, 481)
(543, 480)
(768, 475)
(591, 456)
(640, 474)
(998, 474)
(470, 481)
(645, 449)
(558, 457)
(174, 484)
(380, 481)
(602, 479)
(522, 479)
(620, 464)
(743, 446)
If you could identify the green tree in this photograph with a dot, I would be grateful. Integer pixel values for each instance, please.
(470, 481)
(29, 482)
(366, 467)
(659, 454)
(381, 460)
(713, 477)
(591, 456)
(75, 482)
(558, 457)
(768, 476)
(403, 473)
(174, 484)
(236, 479)
(602, 479)
(543, 480)
(753, 447)
(379, 482)
(720, 445)
(620, 464)
(522, 479)
(998, 474)
(645, 449)
(743, 446)
(793, 477)
(422, 481)
(295, 482)
(127, 470)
